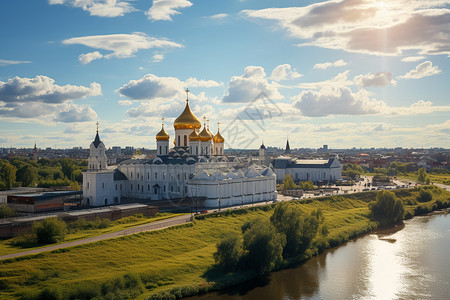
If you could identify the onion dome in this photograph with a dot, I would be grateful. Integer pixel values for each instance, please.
(193, 136)
(162, 135)
(218, 138)
(187, 120)
(205, 136)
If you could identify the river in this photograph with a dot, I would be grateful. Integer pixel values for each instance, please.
(407, 262)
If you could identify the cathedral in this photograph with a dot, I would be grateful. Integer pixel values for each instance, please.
(195, 168)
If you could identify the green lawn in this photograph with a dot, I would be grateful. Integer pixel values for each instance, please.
(434, 177)
(11, 246)
(177, 258)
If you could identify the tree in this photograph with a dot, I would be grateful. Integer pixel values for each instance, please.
(50, 230)
(288, 182)
(27, 175)
(6, 211)
(229, 251)
(264, 245)
(67, 167)
(298, 227)
(387, 208)
(422, 176)
(9, 175)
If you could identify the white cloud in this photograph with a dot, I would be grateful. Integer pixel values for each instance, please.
(164, 9)
(75, 113)
(250, 85)
(125, 102)
(419, 107)
(5, 62)
(366, 26)
(219, 16)
(422, 70)
(121, 45)
(337, 101)
(152, 87)
(326, 65)
(338, 81)
(378, 79)
(194, 82)
(283, 72)
(100, 8)
(88, 57)
(158, 57)
(43, 89)
(413, 58)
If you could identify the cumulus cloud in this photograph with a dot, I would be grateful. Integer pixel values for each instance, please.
(43, 89)
(120, 45)
(75, 113)
(5, 62)
(419, 107)
(283, 72)
(378, 79)
(88, 57)
(422, 70)
(366, 26)
(250, 85)
(125, 102)
(339, 80)
(152, 87)
(337, 101)
(162, 10)
(326, 65)
(412, 58)
(157, 57)
(100, 8)
(194, 82)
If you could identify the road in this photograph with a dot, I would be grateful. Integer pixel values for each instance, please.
(141, 228)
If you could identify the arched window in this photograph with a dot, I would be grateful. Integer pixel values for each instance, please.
(179, 141)
(160, 149)
(185, 140)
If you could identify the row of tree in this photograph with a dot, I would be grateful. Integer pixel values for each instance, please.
(289, 184)
(21, 171)
(264, 244)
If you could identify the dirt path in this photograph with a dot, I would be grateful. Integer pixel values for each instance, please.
(141, 228)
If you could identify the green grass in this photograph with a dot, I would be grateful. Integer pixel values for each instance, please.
(22, 243)
(175, 260)
(434, 177)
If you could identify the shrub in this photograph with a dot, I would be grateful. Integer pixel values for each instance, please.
(424, 196)
(229, 251)
(6, 211)
(387, 208)
(50, 230)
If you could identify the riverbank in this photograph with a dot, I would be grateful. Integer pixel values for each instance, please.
(177, 262)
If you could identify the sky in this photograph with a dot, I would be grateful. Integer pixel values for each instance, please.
(350, 73)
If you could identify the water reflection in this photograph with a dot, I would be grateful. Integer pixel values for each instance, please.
(401, 263)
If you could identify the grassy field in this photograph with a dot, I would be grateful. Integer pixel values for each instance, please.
(176, 261)
(15, 245)
(437, 178)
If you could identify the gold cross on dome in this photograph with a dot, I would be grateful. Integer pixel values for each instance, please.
(218, 123)
(97, 125)
(187, 94)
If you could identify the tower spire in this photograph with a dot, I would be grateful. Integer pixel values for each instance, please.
(97, 126)
(187, 94)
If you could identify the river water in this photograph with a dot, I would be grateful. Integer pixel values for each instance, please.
(407, 262)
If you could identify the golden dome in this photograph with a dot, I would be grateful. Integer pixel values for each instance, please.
(193, 136)
(205, 136)
(218, 138)
(187, 120)
(162, 135)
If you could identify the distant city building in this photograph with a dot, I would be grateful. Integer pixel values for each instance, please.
(311, 169)
(116, 150)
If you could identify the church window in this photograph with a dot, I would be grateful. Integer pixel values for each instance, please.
(137, 175)
(116, 186)
(156, 190)
(324, 176)
(179, 142)
(131, 175)
(131, 187)
(166, 150)
(138, 188)
(148, 175)
(156, 176)
(185, 189)
(100, 165)
(142, 188)
(185, 140)
(164, 176)
(103, 185)
(196, 150)
(148, 187)
(88, 185)
(171, 188)
(164, 188)
(178, 189)
(160, 149)
(178, 176)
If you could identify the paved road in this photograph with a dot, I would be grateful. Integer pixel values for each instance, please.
(141, 228)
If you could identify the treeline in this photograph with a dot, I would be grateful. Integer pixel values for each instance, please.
(265, 244)
(289, 184)
(22, 171)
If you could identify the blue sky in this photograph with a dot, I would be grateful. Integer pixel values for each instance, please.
(351, 73)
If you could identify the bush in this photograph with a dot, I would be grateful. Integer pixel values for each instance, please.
(50, 230)
(6, 211)
(387, 208)
(424, 196)
(264, 245)
(229, 251)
